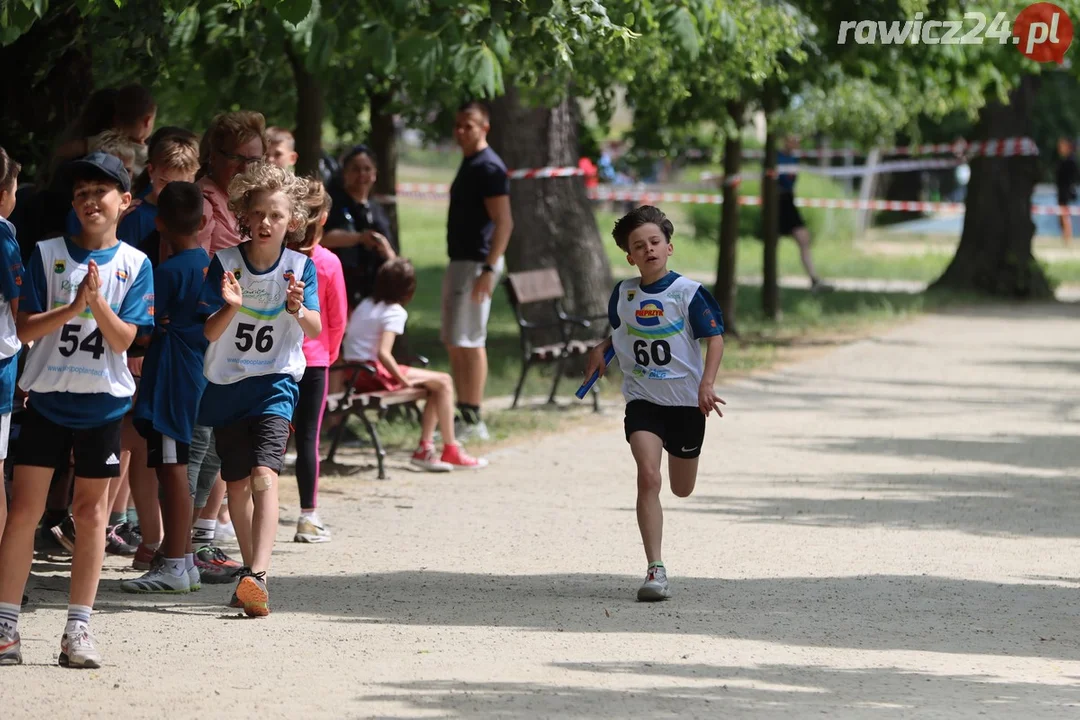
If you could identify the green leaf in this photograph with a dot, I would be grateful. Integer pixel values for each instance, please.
(500, 44)
(486, 72)
(381, 49)
(679, 23)
(294, 11)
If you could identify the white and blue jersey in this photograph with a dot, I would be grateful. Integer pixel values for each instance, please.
(74, 379)
(655, 333)
(11, 279)
(172, 372)
(254, 367)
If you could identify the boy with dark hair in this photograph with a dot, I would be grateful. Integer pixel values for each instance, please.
(657, 320)
(173, 383)
(83, 301)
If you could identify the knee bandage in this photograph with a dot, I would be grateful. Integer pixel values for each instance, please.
(262, 480)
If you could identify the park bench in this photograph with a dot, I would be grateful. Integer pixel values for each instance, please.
(548, 334)
(361, 403)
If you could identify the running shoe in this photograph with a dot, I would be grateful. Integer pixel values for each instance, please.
(158, 580)
(214, 574)
(309, 529)
(472, 431)
(251, 591)
(426, 459)
(455, 456)
(225, 532)
(212, 555)
(132, 534)
(115, 544)
(147, 559)
(10, 648)
(235, 602)
(65, 533)
(655, 586)
(47, 544)
(78, 650)
(194, 578)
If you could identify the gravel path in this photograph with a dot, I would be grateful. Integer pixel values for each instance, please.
(889, 530)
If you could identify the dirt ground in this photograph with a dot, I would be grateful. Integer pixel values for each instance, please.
(886, 530)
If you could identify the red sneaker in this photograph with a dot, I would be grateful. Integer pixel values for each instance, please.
(456, 456)
(425, 458)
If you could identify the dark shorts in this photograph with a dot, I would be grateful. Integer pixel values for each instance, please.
(43, 443)
(1066, 196)
(252, 442)
(162, 449)
(790, 217)
(681, 428)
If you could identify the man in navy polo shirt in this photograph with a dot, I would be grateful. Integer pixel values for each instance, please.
(477, 232)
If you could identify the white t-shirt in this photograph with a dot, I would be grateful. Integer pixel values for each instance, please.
(366, 326)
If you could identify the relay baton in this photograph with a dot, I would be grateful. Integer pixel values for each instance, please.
(581, 392)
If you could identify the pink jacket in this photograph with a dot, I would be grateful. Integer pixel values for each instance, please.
(333, 308)
(222, 230)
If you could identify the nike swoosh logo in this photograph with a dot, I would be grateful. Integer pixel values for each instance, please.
(686, 449)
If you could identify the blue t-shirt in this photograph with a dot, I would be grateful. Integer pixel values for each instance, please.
(706, 320)
(87, 410)
(11, 279)
(273, 394)
(133, 228)
(172, 375)
(785, 182)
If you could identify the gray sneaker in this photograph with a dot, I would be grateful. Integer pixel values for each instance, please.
(10, 648)
(158, 580)
(655, 586)
(78, 650)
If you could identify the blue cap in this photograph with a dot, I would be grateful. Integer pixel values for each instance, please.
(104, 164)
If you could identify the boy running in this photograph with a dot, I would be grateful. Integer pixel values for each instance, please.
(261, 301)
(656, 322)
(173, 383)
(83, 301)
(11, 276)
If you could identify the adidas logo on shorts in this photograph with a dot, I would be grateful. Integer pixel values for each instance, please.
(113, 460)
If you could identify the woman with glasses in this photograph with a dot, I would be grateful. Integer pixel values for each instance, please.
(233, 141)
(358, 229)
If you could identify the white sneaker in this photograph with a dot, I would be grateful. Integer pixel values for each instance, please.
(465, 431)
(78, 650)
(655, 586)
(428, 459)
(309, 529)
(194, 578)
(158, 580)
(225, 532)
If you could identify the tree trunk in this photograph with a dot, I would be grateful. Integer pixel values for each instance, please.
(309, 115)
(554, 224)
(726, 290)
(384, 145)
(770, 219)
(994, 256)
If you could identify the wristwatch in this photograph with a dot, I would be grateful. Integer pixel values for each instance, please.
(485, 268)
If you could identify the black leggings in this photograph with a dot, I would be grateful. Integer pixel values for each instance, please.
(307, 422)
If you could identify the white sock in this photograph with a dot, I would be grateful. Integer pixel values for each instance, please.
(78, 618)
(205, 528)
(9, 618)
(175, 566)
(189, 561)
(312, 515)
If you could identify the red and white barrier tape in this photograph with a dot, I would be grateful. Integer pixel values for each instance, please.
(854, 171)
(1003, 147)
(545, 172)
(430, 191)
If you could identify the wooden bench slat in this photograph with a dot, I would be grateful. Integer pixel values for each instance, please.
(536, 285)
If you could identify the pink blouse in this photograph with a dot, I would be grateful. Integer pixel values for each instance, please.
(333, 308)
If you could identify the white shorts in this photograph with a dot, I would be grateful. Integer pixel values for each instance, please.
(464, 322)
(5, 431)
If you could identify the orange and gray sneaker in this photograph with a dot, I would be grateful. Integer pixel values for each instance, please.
(251, 591)
(456, 457)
